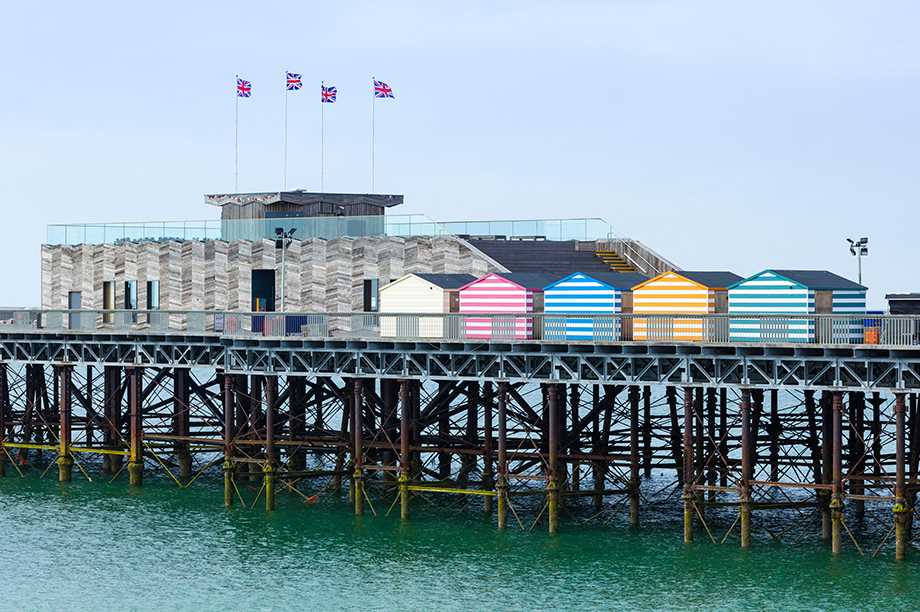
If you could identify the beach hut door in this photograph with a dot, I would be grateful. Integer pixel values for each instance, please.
(824, 305)
(626, 307)
(454, 301)
(721, 302)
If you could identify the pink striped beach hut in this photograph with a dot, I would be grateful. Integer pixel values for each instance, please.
(504, 294)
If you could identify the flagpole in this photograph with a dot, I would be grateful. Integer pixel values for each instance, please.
(322, 126)
(373, 121)
(285, 128)
(236, 142)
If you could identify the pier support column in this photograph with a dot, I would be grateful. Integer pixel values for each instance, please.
(136, 449)
(4, 410)
(687, 466)
(552, 485)
(359, 446)
(405, 458)
(270, 468)
(747, 468)
(901, 510)
(111, 406)
(502, 486)
(182, 420)
(488, 480)
(634, 478)
(229, 430)
(65, 459)
(836, 505)
(827, 456)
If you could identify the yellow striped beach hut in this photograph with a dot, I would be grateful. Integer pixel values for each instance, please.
(680, 293)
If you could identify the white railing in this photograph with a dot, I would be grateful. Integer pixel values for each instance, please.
(889, 330)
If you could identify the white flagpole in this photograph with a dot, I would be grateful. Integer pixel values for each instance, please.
(322, 127)
(236, 141)
(373, 120)
(285, 129)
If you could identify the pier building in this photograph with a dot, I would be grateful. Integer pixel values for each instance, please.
(761, 440)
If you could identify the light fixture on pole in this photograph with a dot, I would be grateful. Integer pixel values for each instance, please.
(282, 240)
(858, 248)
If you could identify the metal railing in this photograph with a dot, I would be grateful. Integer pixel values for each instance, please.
(889, 330)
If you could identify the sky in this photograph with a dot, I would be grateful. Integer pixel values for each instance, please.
(724, 135)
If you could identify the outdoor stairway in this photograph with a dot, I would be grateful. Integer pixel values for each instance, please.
(615, 261)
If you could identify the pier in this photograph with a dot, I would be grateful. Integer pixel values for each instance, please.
(539, 431)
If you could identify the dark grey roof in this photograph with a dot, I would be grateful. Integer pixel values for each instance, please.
(529, 281)
(618, 280)
(303, 197)
(714, 280)
(819, 279)
(448, 281)
(902, 296)
(543, 256)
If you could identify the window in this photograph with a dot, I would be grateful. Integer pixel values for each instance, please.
(130, 295)
(370, 295)
(153, 295)
(108, 300)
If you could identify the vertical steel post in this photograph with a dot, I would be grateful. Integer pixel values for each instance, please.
(711, 437)
(4, 408)
(634, 477)
(687, 464)
(552, 486)
(723, 430)
(181, 420)
(901, 509)
(228, 438)
(404, 457)
(487, 477)
(747, 469)
(827, 456)
(65, 458)
(647, 431)
(502, 487)
(136, 450)
(700, 443)
(836, 505)
(359, 446)
(857, 450)
(269, 468)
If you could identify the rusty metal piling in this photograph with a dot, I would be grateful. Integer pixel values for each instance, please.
(747, 469)
(358, 421)
(552, 486)
(404, 457)
(634, 477)
(270, 465)
(135, 416)
(836, 505)
(502, 486)
(65, 458)
(901, 509)
(687, 464)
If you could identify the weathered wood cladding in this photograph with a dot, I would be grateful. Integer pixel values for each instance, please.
(260, 206)
(320, 275)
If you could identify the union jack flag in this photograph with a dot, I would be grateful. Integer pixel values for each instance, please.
(243, 88)
(382, 90)
(293, 81)
(328, 94)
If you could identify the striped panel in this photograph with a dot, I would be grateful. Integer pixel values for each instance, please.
(493, 294)
(850, 302)
(768, 294)
(412, 295)
(577, 295)
(671, 294)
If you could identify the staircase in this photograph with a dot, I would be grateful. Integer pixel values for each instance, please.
(616, 262)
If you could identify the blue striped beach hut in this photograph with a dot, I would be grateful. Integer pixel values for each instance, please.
(796, 292)
(587, 294)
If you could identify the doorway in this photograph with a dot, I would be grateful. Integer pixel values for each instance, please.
(74, 302)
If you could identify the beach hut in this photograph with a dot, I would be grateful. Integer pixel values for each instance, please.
(418, 294)
(682, 293)
(504, 293)
(796, 292)
(589, 294)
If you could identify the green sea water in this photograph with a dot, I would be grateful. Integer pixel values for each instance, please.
(105, 546)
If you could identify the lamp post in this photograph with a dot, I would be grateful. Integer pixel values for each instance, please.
(282, 240)
(858, 248)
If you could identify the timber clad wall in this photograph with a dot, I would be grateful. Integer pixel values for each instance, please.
(320, 275)
(671, 293)
(580, 293)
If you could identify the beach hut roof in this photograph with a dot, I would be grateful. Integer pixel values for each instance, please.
(527, 281)
(813, 279)
(709, 280)
(614, 280)
(448, 281)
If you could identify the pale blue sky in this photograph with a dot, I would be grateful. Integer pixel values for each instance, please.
(725, 135)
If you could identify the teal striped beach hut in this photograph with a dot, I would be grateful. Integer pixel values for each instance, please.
(586, 295)
(796, 292)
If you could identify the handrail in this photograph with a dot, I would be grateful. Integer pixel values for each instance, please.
(853, 329)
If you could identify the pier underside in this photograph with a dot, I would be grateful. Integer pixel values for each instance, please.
(748, 462)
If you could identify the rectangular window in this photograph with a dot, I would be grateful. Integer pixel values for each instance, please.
(130, 295)
(108, 300)
(153, 295)
(370, 295)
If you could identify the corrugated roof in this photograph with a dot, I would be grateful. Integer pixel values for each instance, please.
(448, 281)
(712, 280)
(819, 279)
